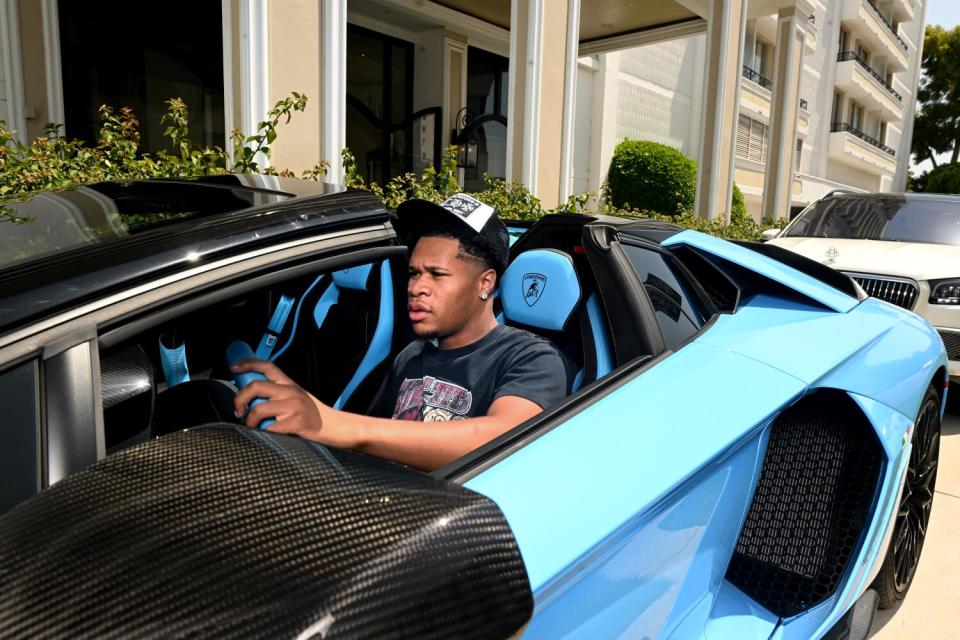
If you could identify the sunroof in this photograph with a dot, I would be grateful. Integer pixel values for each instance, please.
(50, 222)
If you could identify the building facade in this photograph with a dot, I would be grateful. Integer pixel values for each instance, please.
(789, 98)
(855, 95)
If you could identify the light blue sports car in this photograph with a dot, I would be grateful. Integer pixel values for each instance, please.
(749, 448)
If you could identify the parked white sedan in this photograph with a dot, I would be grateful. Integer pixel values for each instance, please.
(903, 248)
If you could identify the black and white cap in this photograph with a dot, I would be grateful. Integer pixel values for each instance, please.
(465, 213)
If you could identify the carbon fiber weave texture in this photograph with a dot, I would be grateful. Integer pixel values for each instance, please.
(225, 532)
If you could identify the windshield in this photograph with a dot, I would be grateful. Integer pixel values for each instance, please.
(893, 218)
(46, 223)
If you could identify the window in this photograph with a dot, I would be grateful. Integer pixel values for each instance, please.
(487, 83)
(797, 155)
(844, 39)
(863, 53)
(20, 455)
(676, 315)
(856, 115)
(109, 58)
(379, 103)
(882, 133)
(751, 139)
(836, 115)
(761, 58)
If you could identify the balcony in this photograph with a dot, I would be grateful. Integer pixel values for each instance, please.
(861, 82)
(755, 76)
(864, 21)
(903, 10)
(859, 150)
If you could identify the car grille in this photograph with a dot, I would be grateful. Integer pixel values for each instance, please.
(900, 292)
(951, 340)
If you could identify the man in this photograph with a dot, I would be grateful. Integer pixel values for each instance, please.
(476, 376)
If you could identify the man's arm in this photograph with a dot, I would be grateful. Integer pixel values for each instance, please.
(426, 447)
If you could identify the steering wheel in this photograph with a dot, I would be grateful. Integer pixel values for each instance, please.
(237, 351)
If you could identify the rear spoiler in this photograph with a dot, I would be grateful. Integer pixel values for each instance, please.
(809, 279)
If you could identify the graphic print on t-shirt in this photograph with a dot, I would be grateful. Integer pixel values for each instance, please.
(432, 400)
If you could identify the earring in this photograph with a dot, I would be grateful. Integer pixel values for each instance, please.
(484, 295)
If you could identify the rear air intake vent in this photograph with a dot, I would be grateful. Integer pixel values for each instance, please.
(812, 502)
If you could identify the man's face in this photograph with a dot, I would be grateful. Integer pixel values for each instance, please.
(443, 292)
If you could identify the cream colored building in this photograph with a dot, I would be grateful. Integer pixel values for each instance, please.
(859, 65)
(533, 90)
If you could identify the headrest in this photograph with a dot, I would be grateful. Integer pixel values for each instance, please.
(353, 277)
(540, 289)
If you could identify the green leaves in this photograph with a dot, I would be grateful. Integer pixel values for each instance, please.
(937, 123)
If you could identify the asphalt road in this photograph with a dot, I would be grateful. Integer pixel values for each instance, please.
(932, 607)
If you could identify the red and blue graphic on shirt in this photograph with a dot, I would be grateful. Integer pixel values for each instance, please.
(430, 399)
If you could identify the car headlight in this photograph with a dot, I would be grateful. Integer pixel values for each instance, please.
(945, 291)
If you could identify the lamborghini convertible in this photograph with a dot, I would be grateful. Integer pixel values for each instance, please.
(749, 448)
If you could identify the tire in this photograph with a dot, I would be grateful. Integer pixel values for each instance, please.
(916, 501)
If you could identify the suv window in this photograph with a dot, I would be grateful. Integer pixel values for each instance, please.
(20, 454)
(893, 217)
(676, 313)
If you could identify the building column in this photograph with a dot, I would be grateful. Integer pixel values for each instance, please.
(540, 39)
(778, 176)
(333, 85)
(726, 21)
(909, 110)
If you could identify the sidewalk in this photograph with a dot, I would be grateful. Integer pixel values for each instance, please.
(932, 608)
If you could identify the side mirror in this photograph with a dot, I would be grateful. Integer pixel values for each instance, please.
(769, 234)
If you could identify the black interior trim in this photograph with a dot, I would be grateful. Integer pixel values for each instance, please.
(633, 321)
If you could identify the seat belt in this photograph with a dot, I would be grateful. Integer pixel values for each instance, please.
(275, 328)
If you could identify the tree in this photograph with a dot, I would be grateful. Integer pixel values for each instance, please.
(936, 127)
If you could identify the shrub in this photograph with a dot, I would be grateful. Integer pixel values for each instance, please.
(944, 179)
(738, 207)
(649, 175)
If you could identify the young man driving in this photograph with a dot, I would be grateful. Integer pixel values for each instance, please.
(477, 377)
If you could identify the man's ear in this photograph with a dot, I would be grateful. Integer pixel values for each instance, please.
(488, 281)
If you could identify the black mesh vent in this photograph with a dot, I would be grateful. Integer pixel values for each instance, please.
(951, 340)
(902, 293)
(230, 533)
(813, 499)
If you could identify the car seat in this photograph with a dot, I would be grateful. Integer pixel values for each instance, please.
(541, 292)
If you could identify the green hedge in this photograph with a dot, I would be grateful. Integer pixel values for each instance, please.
(54, 163)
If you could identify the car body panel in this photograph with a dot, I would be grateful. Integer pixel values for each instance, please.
(627, 465)
(812, 344)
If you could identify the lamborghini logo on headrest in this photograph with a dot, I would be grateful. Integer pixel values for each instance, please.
(533, 286)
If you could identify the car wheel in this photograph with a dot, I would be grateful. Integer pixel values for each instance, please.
(916, 501)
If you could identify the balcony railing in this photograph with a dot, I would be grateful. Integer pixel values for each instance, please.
(843, 126)
(890, 27)
(755, 76)
(843, 56)
(803, 104)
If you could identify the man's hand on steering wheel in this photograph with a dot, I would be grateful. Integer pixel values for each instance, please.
(295, 410)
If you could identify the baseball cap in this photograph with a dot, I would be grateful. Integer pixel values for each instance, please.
(464, 213)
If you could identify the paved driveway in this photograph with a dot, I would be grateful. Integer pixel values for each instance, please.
(932, 608)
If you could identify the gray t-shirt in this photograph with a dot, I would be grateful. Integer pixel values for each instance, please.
(431, 384)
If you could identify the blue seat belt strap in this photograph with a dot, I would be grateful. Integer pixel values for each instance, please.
(275, 328)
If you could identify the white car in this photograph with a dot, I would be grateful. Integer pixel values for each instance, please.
(903, 248)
